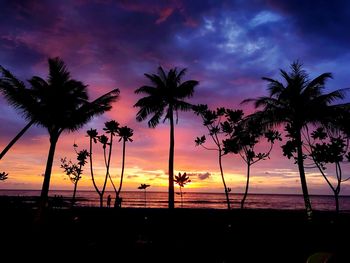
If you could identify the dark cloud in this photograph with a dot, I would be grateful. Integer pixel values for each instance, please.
(320, 25)
(227, 45)
(200, 176)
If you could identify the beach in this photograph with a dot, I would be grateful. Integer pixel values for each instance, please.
(179, 235)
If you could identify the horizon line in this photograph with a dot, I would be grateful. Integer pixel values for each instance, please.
(66, 190)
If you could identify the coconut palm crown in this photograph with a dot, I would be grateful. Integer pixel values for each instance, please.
(296, 104)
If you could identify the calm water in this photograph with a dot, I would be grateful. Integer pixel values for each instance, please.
(196, 200)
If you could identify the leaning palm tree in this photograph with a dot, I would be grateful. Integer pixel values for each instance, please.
(58, 104)
(166, 95)
(296, 104)
(125, 133)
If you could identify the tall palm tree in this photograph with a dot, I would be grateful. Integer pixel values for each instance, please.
(111, 128)
(58, 104)
(125, 133)
(296, 104)
(166, 95)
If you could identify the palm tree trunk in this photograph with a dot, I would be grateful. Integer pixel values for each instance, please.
(336, 197)
(223, 181)
(181, 197)
(74, 192)
(75, 186)
(107, 171)
(47, 176)
(246, 186)
(92, 170)
(145, 198)
(300, 162)
(122, 173)
(14, 140)
(101, 199)
(171, 160)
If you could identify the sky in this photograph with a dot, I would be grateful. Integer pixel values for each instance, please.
(228, 46)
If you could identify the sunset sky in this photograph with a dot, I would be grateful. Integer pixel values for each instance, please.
(226, 45)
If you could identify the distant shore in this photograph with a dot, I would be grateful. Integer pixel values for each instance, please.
(184, 235)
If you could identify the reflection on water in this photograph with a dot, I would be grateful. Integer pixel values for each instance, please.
(196, 200)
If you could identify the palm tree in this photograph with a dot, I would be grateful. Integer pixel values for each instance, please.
(296, 104)
(144, 187)
(182, 180)
(125, 133)
(58, 104)
(166, 95)
(111, 127)
(3, 176)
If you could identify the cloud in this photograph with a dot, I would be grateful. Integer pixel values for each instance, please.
(164, 14)
(132, 176)
(200, 176)
(226, 45)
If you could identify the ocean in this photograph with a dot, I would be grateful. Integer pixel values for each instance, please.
(195, 200)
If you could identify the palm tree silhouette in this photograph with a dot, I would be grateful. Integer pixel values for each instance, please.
(181, 180)
(297, 104)
(144, 187)
(58, 104)
(167, 95)
(125, 133)
(3, 176)
(111, 127)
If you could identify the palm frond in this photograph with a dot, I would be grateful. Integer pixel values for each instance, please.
(326, 99)
(274, 87)
(156, 80)
(149, 90)
(320, 80)
(182, 105)
(286, 76)
(11, 79)
(162, 74)
(180, 74)
(186, 89)
(58, 73)
(17, 95)
(154, 121)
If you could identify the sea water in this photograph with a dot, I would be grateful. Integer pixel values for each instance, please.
(195, 200)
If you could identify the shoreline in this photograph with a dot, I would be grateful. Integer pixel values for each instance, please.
(63, 201)
(165, 192)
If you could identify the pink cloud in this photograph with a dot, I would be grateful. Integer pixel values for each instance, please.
(164, 15)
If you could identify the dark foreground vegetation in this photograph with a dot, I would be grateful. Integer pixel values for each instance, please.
(163, 235)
